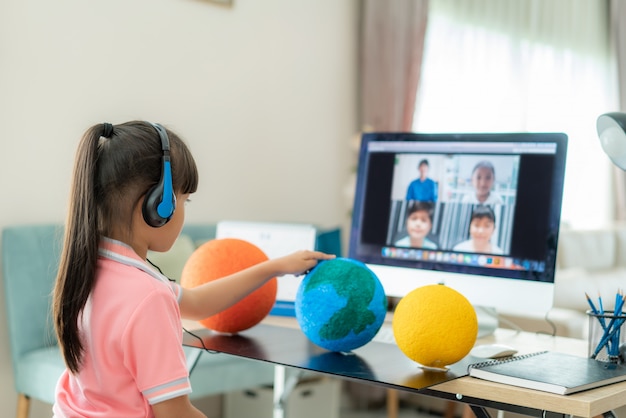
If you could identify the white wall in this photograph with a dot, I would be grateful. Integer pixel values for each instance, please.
(263, 92)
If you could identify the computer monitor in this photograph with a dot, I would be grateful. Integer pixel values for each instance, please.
(513, 180)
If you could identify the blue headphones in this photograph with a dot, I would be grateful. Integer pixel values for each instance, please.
(160, 201)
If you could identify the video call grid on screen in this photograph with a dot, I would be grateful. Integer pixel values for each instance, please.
(525, 200)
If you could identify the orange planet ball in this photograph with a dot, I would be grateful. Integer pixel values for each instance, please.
(219, 258)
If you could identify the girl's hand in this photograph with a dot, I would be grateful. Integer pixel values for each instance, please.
(299, 262)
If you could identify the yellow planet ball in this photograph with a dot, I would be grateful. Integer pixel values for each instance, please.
(435, 325)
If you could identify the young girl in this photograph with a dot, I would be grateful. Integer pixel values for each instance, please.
(419, 222)
(116, 318)
(482, 227)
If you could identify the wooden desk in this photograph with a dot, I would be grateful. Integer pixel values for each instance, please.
(400, 373)
(480, 392)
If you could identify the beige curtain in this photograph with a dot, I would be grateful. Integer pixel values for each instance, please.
(392, 36)
(617, 13)
(391, 49)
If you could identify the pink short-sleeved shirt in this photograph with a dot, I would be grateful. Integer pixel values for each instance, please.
(132, 337)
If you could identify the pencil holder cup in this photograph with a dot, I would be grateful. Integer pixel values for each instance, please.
(607, 336)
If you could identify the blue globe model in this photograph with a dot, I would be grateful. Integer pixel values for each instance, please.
(340, 304)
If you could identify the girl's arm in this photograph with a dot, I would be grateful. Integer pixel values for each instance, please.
(215, 296)
(177, 407)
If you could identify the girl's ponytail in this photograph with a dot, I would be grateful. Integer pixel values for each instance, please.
(80, 249)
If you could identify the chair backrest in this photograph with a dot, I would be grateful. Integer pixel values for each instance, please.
(30, 256)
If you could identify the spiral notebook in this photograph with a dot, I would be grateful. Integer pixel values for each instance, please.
(550, 371)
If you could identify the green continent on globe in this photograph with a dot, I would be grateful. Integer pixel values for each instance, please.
(359, 292)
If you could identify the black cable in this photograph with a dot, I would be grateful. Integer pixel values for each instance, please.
(160, 271)
(204, 347)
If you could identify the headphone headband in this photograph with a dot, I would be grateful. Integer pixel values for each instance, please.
(165, 141)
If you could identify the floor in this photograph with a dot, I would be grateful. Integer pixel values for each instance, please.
(403, 412)
(356, 402)
(382, 413)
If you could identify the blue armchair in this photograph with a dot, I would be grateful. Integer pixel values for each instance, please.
(29, 257)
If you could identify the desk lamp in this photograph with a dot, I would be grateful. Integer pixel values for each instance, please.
(611, 129)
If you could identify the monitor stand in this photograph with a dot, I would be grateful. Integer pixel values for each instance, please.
(487, 320)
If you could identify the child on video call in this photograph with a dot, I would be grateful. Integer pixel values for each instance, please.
(482, 226)
(483, 177)
(422, 188)
(419, 222)
(117, 319)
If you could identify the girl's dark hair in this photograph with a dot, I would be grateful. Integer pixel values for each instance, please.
(418, 205)
(483, 211)
(111, 176)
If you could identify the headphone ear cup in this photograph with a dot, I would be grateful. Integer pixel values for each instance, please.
(160, 201)
(150, 205)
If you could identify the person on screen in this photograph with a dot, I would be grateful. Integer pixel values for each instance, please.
(116, 316)
(483, 177)
(419, 222)
(422, 188)
(482, 226)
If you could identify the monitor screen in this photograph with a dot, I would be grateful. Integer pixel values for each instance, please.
(477, 212)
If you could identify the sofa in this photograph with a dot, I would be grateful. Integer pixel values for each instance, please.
(589, 261)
